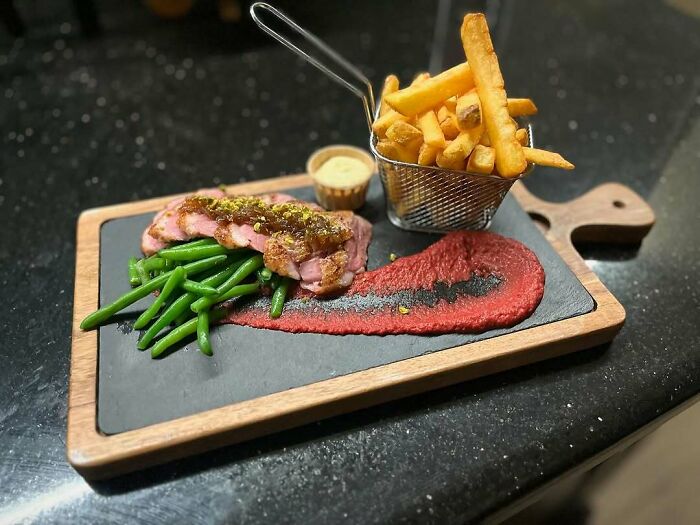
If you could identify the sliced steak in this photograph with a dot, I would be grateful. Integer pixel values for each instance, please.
(337, 270)
(324, 250)
(167, 227)
(149, 243)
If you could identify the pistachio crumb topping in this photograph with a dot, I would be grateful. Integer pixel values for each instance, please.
(319, 229)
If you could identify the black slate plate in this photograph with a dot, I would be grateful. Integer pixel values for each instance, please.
(135, 391)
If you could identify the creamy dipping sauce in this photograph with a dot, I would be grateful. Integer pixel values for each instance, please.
(342, 172)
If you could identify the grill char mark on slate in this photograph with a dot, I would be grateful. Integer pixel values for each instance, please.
(475, 286)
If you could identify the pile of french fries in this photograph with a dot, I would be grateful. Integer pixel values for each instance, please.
(460, 119)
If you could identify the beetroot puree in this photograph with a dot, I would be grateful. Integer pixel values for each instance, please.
(466, 282)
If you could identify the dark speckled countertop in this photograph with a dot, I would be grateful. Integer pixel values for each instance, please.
(153, 107)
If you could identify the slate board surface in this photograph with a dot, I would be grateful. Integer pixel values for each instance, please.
(135, 391)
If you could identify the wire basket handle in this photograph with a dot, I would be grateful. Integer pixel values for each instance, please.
(366, 96)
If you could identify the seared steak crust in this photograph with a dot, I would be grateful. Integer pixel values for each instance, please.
(320, 230)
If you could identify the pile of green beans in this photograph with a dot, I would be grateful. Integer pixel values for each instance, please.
(190, 305)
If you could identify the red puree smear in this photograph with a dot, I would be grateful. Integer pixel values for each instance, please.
(466, 282)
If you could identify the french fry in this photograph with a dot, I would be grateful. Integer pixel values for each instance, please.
(485, 139)
(449, 128)
(427, 154)
(392, 150)
(451, 163)
(461, 118)
(391, 84)
(420, 78)
(402, 132)
(384, 122)
(432, 133)
(468, 110)
(481, 159)
(433, 136)
(521, 107)
(510, 159)
(462, 146)
(414, 146)
(390, 117)
(521, 136)
(448, 125)
(547, 158)
(433, 91)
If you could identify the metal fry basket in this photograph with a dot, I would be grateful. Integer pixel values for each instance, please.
(419, 198)
(433, 199)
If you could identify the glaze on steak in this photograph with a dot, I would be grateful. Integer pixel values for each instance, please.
(324, 250)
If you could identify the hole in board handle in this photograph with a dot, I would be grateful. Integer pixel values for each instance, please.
(540, 221)
(618, 204)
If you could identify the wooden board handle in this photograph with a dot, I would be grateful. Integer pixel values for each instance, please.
(609, 213)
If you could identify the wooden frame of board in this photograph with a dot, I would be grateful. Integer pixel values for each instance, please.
(96, 455)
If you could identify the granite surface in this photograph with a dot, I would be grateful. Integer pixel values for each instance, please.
(153, 107)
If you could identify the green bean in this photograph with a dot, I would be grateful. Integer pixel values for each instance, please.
(190, 254)
(134, 279)
(278, 298)
(203, 333)
(153, 263)
(243, 271)
(200, 242)
(176, 277)
(98, 317)
(142, 273)
(174, 336)
(202, 265)
(178, 334)
(183, 317)
(232, 264)
(264, 276)
(239, 290)
(198, 288)
(170, 300)
(179, 306)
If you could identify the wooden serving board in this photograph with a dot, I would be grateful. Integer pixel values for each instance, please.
(111, 431)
